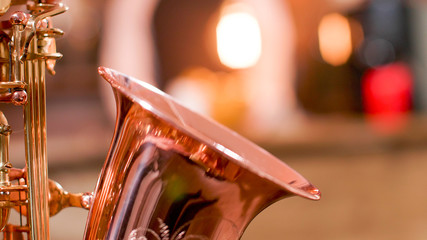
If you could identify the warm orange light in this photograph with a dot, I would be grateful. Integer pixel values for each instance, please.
(238, 38)
(335, 39)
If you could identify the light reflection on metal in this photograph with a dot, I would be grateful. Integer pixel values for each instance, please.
(27, 46)
(170, 173)
(60, 199)
(4, 167)
(167, 175)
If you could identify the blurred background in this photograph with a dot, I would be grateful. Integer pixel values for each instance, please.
(337, 89)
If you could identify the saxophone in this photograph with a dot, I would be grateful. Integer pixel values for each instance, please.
(170, 174)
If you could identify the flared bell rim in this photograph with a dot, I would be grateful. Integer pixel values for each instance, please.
(211, 133)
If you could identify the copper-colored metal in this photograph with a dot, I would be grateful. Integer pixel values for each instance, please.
(19, 2)
(13, 188)
(4, 169)
(16, 173)
(172, 173)
(12, 232)
(19, 97)
(42, 11)
(17, 194)
(54, 56)
(6, 97)
(35, 126)
(6, 202)
(60, 199)
(50, 32)
(6, 85)
(4, 151)
(28, 53)
(19, 18)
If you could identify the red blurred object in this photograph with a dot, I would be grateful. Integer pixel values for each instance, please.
(387, 96)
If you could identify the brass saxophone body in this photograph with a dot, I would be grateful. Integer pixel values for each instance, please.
(27, 49)
(170, 174)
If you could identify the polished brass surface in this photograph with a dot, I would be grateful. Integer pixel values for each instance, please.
(51, 32)
(4, 168)
(27, 48)
(170, 174)
(7, 85)
(60, 199)
(54, 56)
(13, 188)
(19, 97)
(4, 151)
(9, 194)
(15, 96)
(35, 119)
(173, 174)
(35, 126)
(12, 232)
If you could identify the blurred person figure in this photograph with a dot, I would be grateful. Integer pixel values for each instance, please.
(126, 43)
(128, 46)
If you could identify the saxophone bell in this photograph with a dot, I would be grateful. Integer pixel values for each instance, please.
(173, 174)
(170, 174)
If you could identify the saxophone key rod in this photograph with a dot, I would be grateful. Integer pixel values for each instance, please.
(4, 168)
